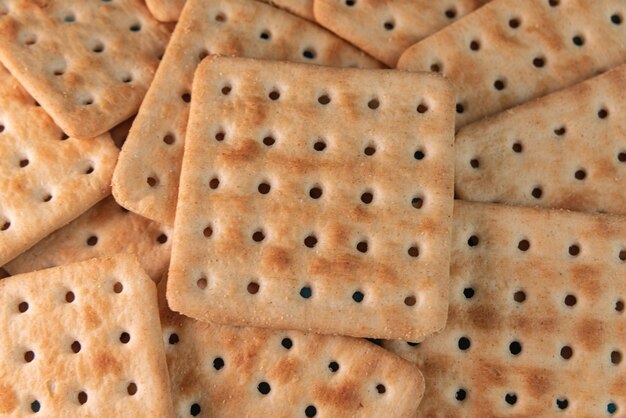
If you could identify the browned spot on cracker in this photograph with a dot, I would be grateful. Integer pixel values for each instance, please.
(91, 317)
(484, 317)
(343, 394)
(537, 382)
(104, 363)
(584, 278)
(589, 331)
(8, 399)
(286, 370)
(275, 259)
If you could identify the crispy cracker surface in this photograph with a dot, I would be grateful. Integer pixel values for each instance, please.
(315, 198)
(565, 150)
(104, 230)
(82, 340)
(46, 178)
(223, 371)
(88, 63)
(509, 52)
(146, 178)
(536, 325)
(385, 29)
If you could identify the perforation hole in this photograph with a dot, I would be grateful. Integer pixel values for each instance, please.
(202, 283)
(5, 225)
(135, 27)
(616, 357)
(475, 45)
(380, 388)
(611, 408)
(162, 239)
(469, 292)
(562, 403)
(310, 411)
(58, 72)
(82, 398)
(315, 192)
(358, 296)
(413, 251)
(523, 245)
(350, 3)
(89, 170)
(373, 104)
(186, 97)
(269, 141)
(578, 40)
(560, 131)
(98, 48)
(286, 343)
(214, 183)
(253, 288)
(1, 128)
(173, 339)
(435, 67)
(367, 198)
(131, 389)
(76, 347)
(517, 147)
(333, 366)
(265, 35)
(226, 90)
(419, 155)
(220, 17)
(309, 54)
(46, 198)
(220, 136)
(422, 108)
(473, 241)
(274, 95)
(152, 181)
(474, 163)
(264, 188)
(460, 108)
(207, 232)
(69, 297)
(29, 356)
(514, 23)
(573, 250)
(35, 406)
(195, 410)
(537, 192)
(410, 301)
(323, 99)
(118, 287)
(515, 348)
(554, 3)
(619, 306)
(369, 150)
(22, 307)
(124, 337)
(417, 202)
(499, 84)
(362, 246)
(566, 352)
(580, 174)
(510, 398)
(310, 241)
(218, 363)
(519, 296)
(264, 388)
(319, 145)
(464, 343)
(616, 19)
(203, 54)
(450, 13)
(603, 113)
(258, 236)
(30, 40)
(460, 395)
(539, 62)
(621, 157)
(306, 292)
(389, 25)
(570, 300)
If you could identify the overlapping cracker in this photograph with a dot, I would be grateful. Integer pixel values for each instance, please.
(302, 8)
(566, 150)
(82, 340)
(104, 230)
(385, 29)
(46, 178)
(316, 199)
(537, 325)
(509, 52)
(146, 178)
(88, 63)
(223, 371)
(165, 10)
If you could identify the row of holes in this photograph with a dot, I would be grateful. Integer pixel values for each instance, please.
(70, 297)
(63, 135)
(524, 245)
(92, 241)
(264, 387)
(82, 397)
(450, 13)
(305, 292)
(519, 296)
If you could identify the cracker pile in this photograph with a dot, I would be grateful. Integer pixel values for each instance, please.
(312, 208)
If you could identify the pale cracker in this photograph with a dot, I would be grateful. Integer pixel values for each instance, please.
(315, 198)
(46, 179)
(165, 10)
(146, 178)
(88, 63)
(104, 230)
(509, 52)
(82, 340)
(223, 371)
(566, 150)
(385, 29)
(539, 295)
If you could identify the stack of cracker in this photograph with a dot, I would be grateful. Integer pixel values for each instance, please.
(312, 208)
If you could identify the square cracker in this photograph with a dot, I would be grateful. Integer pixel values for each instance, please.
(146, 178)
(566, 150)
(46, 178)
(315, 198)
(538, 296)
(82, 340)
(104, 230)
(384, 29)
(497, 58)
(224, 371)
(88, 63)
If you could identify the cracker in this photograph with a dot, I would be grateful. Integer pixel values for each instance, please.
(498, 58)
(46, 179)
(88, 63)
(565, 150)
(146, 178)
(223, 371)
(165, 10)
(385, 29)
(302, 8)
(539, 295)
(82, 340)
(326, 210)
(104, 230)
